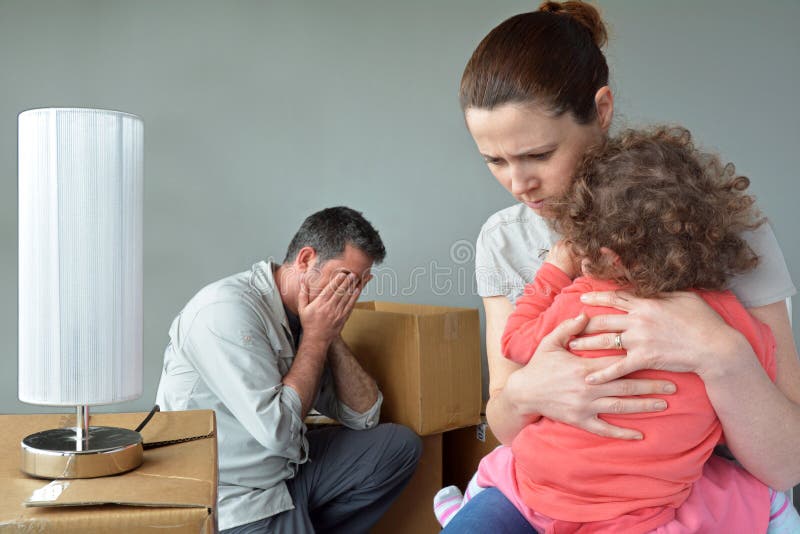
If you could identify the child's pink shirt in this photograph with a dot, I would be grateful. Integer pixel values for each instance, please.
(577, 477)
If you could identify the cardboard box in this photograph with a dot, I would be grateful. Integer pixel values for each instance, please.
(174, 490)
(462, 452)
(413, 510)
(426, 360)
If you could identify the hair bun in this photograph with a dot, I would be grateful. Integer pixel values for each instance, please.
(585, 14)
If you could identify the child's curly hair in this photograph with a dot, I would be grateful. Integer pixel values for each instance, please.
(673, 214)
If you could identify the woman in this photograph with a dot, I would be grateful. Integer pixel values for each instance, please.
(535, 96)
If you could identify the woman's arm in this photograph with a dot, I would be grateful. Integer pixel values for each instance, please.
(761, 420)
(553, 383)
(504, 417)
(763, 432)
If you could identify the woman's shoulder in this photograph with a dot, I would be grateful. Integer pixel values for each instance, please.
(507, 254)
(516, 221)
(770, 281)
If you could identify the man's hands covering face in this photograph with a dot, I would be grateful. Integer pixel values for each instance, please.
(324, 317)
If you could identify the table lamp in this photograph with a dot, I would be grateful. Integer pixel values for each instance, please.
(80, 283)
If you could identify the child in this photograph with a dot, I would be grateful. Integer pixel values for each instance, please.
(647, 213)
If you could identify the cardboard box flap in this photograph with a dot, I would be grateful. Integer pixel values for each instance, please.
(111, 519)
(174, 490)
(170, 476)
(136, 490)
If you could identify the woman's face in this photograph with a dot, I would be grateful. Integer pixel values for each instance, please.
(531, 153)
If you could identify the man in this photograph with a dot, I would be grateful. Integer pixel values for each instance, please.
(261, 348)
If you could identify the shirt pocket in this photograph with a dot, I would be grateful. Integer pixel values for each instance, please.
(282, 350)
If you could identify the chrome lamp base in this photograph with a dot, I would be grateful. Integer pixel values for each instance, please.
(81, 452)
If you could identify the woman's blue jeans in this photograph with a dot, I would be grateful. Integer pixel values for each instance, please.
(489, 512)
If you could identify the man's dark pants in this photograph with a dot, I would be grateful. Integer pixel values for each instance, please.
(350, 480)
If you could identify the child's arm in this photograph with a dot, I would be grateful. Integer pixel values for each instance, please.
(527, 326)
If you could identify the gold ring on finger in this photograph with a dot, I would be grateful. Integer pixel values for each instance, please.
(618, 341)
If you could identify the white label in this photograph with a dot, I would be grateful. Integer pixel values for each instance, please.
(50, 492)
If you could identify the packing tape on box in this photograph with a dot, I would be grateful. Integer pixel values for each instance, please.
(450, 326)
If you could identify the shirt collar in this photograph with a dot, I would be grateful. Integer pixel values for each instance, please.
(262, 278)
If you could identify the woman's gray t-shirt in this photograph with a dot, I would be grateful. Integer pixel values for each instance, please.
(513, 242)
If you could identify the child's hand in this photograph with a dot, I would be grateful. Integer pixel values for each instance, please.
(562, 256)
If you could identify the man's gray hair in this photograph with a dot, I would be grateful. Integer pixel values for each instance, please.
(328, 232)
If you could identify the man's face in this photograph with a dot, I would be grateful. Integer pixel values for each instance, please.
(352, 261)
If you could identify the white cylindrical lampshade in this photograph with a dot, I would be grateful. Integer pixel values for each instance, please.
(80, 256)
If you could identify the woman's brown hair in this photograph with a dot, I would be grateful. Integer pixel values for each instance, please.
(671, 213)
(549, 57)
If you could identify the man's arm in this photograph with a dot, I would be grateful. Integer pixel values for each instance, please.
(304, 375)
(354, 387)
(322, 320)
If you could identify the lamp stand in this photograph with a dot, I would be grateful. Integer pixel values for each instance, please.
(81, 452)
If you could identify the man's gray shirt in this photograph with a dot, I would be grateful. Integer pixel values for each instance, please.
(229, 350)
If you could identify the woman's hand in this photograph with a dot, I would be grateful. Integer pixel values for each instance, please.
(680, 332)
(677, 332)
(553, 384)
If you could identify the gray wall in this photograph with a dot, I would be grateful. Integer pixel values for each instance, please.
(258, 113)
